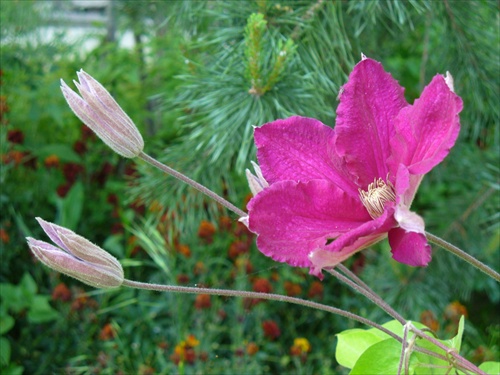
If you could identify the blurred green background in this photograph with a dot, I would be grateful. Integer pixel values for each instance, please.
(195, 76)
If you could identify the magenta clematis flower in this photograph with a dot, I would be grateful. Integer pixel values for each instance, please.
(324, 194)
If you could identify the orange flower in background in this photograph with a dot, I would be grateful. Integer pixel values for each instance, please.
(4, 236)
(316, 290)
(292, 289)
(107, 332)
(237, 248)
(184, 250)
(13, 156)
(202, 301)
(454, 312)
(199, 268)
(271, 329)
(261, 285)
(192, 341)
(206, 231)
(82, 301)
(51, 161)
(300, 346)
(429, 319)
(252, 348)
(61, 292)
(184, 351)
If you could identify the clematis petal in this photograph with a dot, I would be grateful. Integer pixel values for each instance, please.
(321, 258)
(409, 221)
(293, 218)
(352, 241)
(370, 102)
(300, 149)
(406, 185)
(409, 247)
(427, 130)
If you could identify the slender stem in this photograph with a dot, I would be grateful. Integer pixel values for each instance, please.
(462, 362)
(462, 254)
(403, 349)
(273, 297)
(372, 296)
(375, 298)
(196, 185)
(267, 296)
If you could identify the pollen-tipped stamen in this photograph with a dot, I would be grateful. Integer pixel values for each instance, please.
(379, 192)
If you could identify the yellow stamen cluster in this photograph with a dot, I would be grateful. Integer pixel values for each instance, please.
(379, 192)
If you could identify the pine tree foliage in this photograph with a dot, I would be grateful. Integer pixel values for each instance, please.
(311, 46)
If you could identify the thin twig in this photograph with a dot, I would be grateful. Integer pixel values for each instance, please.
(462, 254)
(267, 296)
(165, 168)
(368, 293)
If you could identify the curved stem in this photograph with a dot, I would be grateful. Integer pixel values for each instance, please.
(267, 296)
(164, 168)
(273, 297)
(462, 254)
(368, 293)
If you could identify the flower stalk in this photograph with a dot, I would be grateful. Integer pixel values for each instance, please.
(463, 255)
(209, 193)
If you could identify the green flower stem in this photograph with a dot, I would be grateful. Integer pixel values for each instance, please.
(267, 296)
(368, 293)
(461, 361)
(462, 254)
(164, 168)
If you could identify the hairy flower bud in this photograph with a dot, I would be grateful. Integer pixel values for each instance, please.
(77, 257)
(101, 113)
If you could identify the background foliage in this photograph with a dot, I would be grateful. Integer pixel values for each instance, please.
(195, 78)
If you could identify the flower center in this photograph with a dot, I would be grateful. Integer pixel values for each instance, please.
(378, 193)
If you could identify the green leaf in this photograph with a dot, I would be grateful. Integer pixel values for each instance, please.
(6, 322)
(421, 362)
(4, 351)
(456, 342)
(491, 368)
(13, 370)
(381, 358)
(70, 207)
(28, 286)
(351, 345)
(41, 311)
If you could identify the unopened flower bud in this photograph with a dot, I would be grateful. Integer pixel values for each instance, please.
(77, 257)
(101, 113)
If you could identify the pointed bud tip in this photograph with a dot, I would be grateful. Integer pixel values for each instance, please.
(449, 81)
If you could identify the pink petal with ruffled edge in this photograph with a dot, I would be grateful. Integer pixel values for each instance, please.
(300, 149)
(427, 130)
(293, 218)
(351, 242)
(409, 247)
(369, 104)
